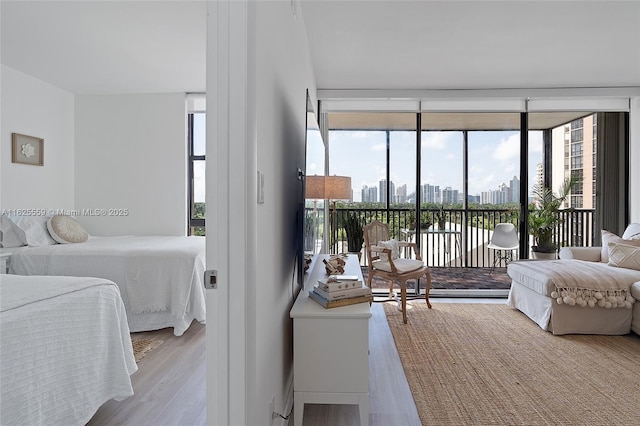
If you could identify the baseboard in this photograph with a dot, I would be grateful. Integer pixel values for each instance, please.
(471, 293)
(288, 407)
(434, 293)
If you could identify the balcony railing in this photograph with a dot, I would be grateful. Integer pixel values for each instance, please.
(460, 239)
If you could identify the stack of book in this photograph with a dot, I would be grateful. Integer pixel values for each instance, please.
(340, 290)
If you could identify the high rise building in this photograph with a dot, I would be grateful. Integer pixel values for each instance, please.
(450, 196)
(578, 160)
(504, 194)
(401, 194)
(514, 190)
(383, 190)
(429, 193)
(369, 194)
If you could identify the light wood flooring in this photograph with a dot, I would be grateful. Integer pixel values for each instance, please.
(170, 384)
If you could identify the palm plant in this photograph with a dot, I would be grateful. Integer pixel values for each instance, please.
(545, 216)
(355, 235)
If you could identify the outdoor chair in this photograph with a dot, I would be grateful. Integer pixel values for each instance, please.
(503, 242)
(383, 259)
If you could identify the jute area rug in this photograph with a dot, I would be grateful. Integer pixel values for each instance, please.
(485, 364)
(142, 347)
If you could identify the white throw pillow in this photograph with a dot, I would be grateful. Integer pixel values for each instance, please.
(624, 256)
(632, 232)
(12, 235)
(65, 230)
(610, 237)
(35, 229)
(391, 245)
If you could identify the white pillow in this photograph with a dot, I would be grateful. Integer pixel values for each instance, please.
(35, 229)
(610, 237)
(391, 245)
(632, 232)
(12, 235)
(65, 230)
(624, 256)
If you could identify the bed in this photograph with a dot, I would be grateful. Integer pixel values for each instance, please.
(65, 349)
(538, 285)
(160, 278)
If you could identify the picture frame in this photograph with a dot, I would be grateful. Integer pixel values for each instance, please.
(27, 149)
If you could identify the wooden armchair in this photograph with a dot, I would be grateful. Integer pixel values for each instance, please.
(384, 261)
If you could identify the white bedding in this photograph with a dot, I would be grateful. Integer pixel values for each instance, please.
(160, 278)
(65, 349)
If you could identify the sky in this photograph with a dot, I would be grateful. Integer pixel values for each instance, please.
(494, 158)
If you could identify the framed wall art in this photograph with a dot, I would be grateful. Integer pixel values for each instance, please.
(27, 149)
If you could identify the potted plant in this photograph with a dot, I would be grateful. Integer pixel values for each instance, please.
(544, 219)
(412, 220)
(355, 236)
(441, 217)
(425, 221)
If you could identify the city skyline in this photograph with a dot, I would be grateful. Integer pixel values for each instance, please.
(493, 159)
(505, 193)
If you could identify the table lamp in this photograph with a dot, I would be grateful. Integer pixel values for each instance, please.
(328, 188)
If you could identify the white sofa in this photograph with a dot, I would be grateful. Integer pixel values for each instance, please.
(534, 284)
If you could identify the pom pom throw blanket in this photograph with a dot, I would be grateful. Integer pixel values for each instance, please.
(580, 283)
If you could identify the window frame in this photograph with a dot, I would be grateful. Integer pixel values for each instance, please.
(191, 159)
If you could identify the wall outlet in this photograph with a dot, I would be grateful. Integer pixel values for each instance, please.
(272, 410)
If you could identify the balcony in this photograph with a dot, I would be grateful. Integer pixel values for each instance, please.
(458, 246)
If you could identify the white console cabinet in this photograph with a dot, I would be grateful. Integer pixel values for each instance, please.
(330, 349)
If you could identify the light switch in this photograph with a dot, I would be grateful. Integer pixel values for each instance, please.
(260, 187)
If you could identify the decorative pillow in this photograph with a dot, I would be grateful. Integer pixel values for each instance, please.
(610, 237)
(624, 256)
(12, 235)
(391, 245)
(65, 230)
(632, 232)
(35, 229)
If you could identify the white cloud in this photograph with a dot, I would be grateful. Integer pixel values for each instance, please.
(475, 169)
(535, 142)
(379, 147)
(508, 149)
(482, 183)
(435, 140)
(361, 134)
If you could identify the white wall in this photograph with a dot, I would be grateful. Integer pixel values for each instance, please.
(283, 72)
(131, 154)
(35, 108)
(268, 69)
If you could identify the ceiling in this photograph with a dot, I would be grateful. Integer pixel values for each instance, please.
(105, 47)
(365, 44)
(160, 46)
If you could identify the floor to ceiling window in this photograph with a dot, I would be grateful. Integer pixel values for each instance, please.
(197, 165)
(447, 186)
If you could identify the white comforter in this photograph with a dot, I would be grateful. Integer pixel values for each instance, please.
(160, 278)
(65, 349)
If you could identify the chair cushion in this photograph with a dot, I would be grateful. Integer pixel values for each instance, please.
(391, 245)
(402, 265)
